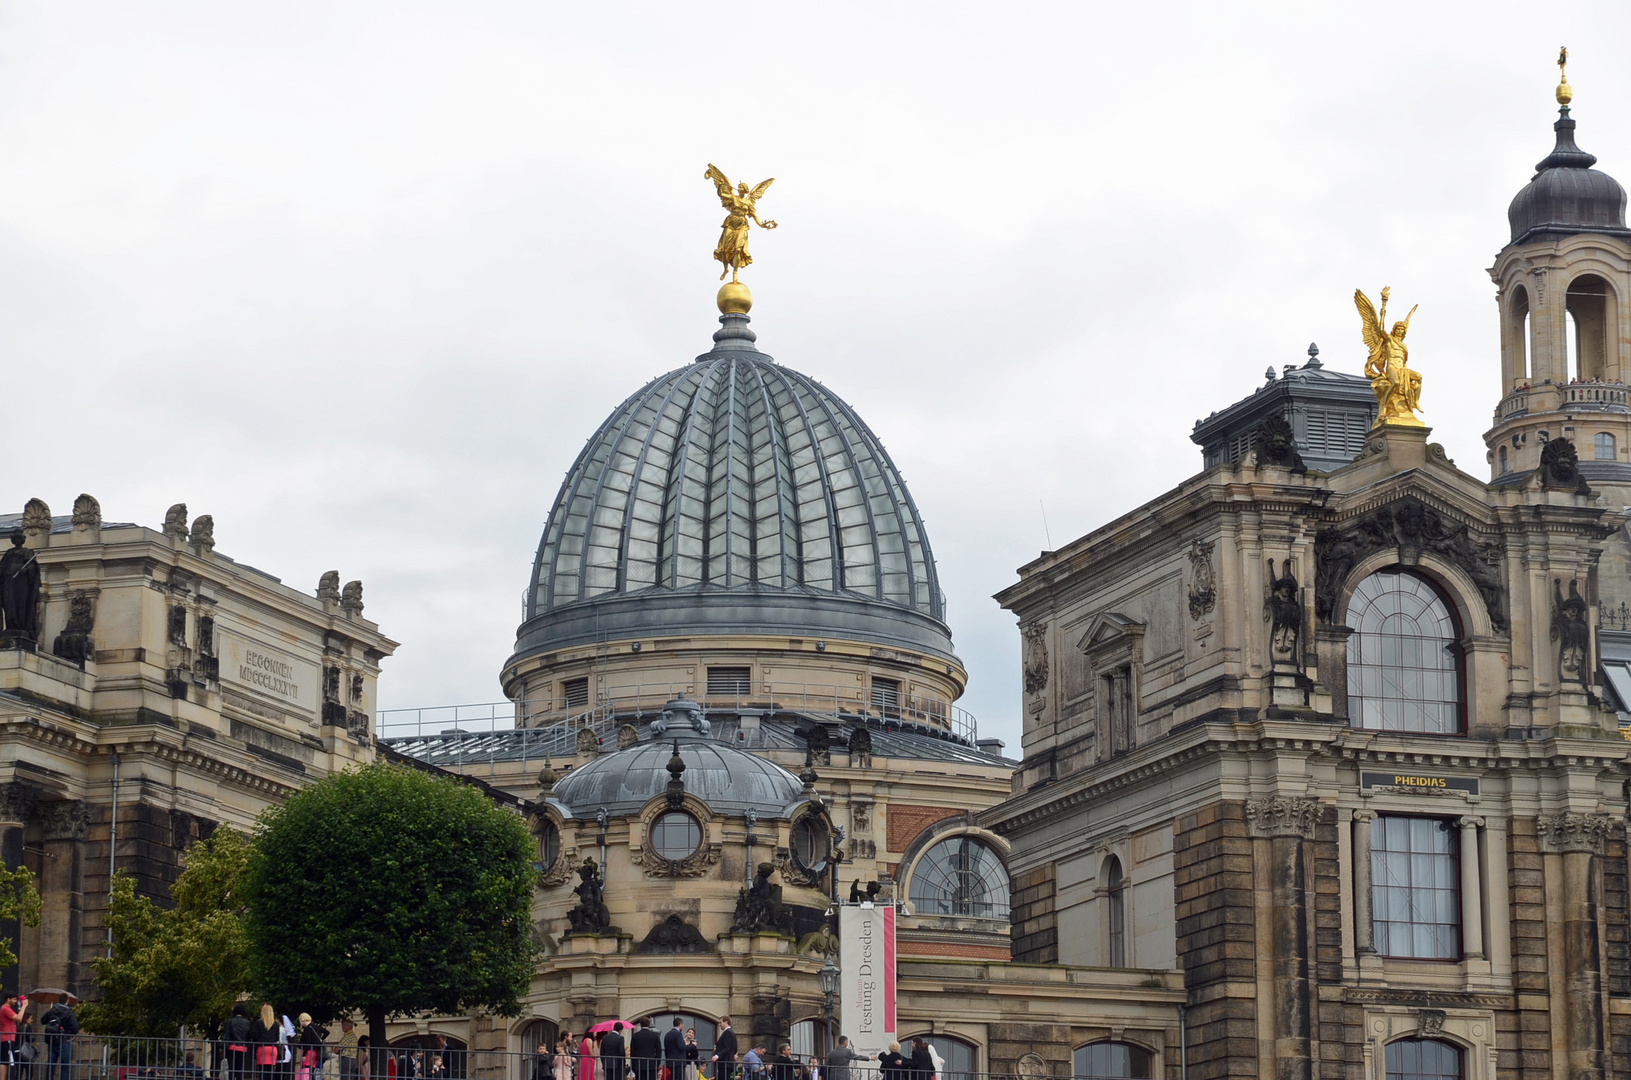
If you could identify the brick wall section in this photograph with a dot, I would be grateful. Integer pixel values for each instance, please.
(1524, 1035)
(1034, 930)
(1617, 966)
(1339, 1028)
(1212, 863)
(905, 822)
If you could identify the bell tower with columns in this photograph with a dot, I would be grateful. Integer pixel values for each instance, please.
(1563, 284)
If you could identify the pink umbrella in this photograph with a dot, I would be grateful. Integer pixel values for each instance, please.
(610, 1025)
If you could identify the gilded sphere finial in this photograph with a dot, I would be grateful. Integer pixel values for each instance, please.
(735, 298)
(1564, 94)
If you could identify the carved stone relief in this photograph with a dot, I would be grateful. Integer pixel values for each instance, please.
(203, 533)
(1203, 585)
(1281, 816)
(87, 514)
(693, 865)
(175, 521)
(1413, 528)
(328, 586)
(36, 518)
(1276, 445)
(1570, 630)
(675, 936)
(65, 820)
(1570, 831)
(1283, 611)
(17, 802)
(1036, 658)
(351, 599)
(1560, 467)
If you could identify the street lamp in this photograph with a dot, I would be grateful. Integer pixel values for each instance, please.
(829, 986)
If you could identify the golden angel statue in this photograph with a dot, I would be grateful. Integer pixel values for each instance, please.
(732, 251)
(1398, 389)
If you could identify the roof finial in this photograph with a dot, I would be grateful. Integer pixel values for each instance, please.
(1564, 94)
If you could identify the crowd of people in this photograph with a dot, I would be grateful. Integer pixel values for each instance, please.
(605, 1054)
(37, 1043)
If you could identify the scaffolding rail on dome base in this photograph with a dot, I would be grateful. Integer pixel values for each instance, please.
(539, 727)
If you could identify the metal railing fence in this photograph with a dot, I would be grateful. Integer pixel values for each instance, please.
(104, 1057)
(618, 703)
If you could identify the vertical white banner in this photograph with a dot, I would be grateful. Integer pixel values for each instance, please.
(866, 960)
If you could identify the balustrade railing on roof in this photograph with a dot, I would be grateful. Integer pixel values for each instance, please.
(1574, 396)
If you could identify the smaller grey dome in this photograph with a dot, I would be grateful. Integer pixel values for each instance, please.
(1567, 196)
(729, 780)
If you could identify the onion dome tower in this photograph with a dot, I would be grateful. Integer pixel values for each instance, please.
(1563, 284)
(735, 533)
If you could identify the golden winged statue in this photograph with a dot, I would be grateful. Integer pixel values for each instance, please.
(742, 205)
(1398, 389)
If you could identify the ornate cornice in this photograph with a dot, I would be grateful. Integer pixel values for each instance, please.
(566, 865)
(1572, 832)
(1282, 816)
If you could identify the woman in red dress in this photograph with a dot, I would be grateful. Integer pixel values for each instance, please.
(586, 1058)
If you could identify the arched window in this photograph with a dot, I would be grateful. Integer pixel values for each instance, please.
(1503, 459)
(1423, 1059)
(540, 1033)
(549, 846)
(1603, 446)
(1587, 302)
(960, 876)
(675, 835)
(1518, 329)
(959, 1057)
(811, 845)
(1115, 897)
(1112, 1061)
(1404, 656)
(808, 1037)
(706, 1029)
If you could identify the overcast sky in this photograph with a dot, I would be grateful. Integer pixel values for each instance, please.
(359, 279)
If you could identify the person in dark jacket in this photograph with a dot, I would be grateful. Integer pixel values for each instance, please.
(674, 1050)
(724, 1050)
(922, 1064)
(613, 1055)
(237, 1036)
(646, 1051)
(783, 1064)
(892, 1064)
(267, 1033)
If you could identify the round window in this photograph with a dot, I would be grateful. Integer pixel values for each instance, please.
(549, 846)
(675, 835)
(810, 843)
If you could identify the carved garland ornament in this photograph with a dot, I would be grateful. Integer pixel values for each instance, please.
(693, 865)
(1280, 816)
(1412, 527)
(1569, 831)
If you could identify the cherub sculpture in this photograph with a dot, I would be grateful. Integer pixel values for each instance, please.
(1398, 389)
(732, 252)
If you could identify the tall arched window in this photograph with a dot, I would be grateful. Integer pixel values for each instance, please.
(1423, 1059)
(1111, 1061)
(1404, 656)
(960, 1057)
(960, 876)
(1115, 898)
(1603, 446)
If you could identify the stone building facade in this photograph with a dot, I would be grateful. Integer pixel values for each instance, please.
(1342, 749)
(157, 690)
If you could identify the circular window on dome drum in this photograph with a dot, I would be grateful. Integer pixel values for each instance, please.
(675, 835)
(549, 846)
(811, 844)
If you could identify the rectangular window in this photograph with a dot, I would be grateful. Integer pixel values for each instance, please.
(1117, 688)
(886, 696)
(1603, 446)
(576, 692)
(730, 681)
(1415, 888)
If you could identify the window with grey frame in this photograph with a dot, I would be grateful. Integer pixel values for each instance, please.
(960, 876)
(1603, 448)
(1115, 898)
(1117, 687)
(1404, 656)
(1423, 1059)
(1112, 1061)
(1415, 887)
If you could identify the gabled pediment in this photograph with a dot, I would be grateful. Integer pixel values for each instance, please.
(1110, 630)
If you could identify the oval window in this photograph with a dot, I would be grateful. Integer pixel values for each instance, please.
(811, 845)
(675, 835)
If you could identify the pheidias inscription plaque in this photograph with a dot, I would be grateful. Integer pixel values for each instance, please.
(268, 672)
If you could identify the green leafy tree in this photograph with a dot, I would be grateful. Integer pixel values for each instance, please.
(19, 902)
(384, 890)
(185, 965)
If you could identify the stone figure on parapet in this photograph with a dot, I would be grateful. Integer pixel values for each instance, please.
(1570, 628)
(742, 204)
(590, 915)
(759, 906)
(20, 591)
(1398, 389)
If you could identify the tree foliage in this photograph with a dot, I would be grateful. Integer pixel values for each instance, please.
(185, 965)
(387, 891)
(20, 901)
